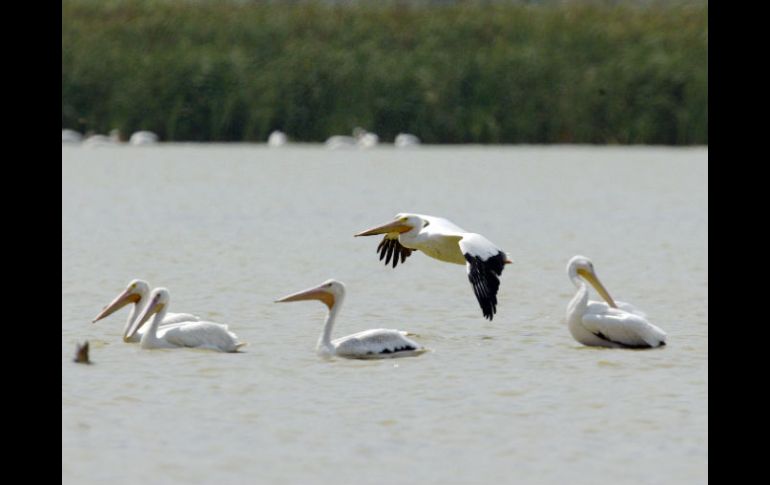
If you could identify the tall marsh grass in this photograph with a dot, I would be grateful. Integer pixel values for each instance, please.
(462, 73)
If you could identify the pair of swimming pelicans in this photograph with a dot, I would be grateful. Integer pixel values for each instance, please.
(592, 323)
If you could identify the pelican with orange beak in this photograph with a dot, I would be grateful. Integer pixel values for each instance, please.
(378, 343)
(201, 335)
(443, 240)
(136, 292)
(611, 324)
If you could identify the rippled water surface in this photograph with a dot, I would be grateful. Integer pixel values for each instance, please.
(228, 229)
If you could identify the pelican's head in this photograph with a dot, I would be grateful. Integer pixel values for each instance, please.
(401, 223)
(582, 267)
(159, 299)
(134, 292)
(330, 292)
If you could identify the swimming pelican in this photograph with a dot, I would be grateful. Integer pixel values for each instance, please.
(361, 139)
(201, 335)
(136, 292)
(143, 138)
(611, 324)
(277, 139)
(443, 240)
(406, 140)
(94, 141)
(379, 343)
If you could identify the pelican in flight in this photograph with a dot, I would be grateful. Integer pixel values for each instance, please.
(378, 343)
(610, 324)
(443, 240)
(136, 292)
(201, 335)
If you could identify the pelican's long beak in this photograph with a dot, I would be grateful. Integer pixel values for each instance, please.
(153, 308)
(317, 293)
(122, 300)
(394, 226)
(594, 280)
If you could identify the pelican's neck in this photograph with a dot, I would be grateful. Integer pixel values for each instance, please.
(151, 334)
(412, 237)
(579, 302)
(136, 310)
(325, 340)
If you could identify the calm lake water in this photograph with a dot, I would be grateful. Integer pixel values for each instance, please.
(230, 228)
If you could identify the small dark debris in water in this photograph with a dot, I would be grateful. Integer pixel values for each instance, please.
(81, 356)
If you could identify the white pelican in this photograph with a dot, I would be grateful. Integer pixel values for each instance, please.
(443, 240)
(378, 343)
(277, 139)
(361, 139)
(143, 138)
(71, 136)
(136, 292)
(405, 140)
(201, 335)
(611, 324)
(94, 141)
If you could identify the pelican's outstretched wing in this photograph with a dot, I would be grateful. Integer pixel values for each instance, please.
(485, 266)
(390, 247)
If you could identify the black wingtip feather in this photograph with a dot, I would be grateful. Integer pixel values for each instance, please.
(484, 277)
(391, 248)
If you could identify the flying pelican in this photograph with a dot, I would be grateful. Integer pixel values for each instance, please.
(202, 335)
(143, 138)
(443, 240)
(136, 292)
(611, 324)
(378, 343)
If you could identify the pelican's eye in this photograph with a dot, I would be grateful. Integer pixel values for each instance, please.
(425, 223)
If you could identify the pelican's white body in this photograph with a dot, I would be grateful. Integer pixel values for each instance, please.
(405, 140)
(71, 136)
(201, 335)
(443, 240)
(143, 138)
(277, 139)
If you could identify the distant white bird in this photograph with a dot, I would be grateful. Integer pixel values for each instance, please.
(102, 140)
(337, 142)
(71, 136)
(143, 138)
(443, 240)
(377, 343)
(360, 139)
(405, 140)
(137, 292)
(608, 324)
(277, 139)
(201, 335)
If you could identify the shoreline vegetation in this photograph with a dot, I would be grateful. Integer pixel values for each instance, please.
(464, 72)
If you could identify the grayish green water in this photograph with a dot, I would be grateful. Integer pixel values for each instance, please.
(230, 228)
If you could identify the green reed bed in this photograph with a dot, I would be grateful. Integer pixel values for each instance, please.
(506, 73)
